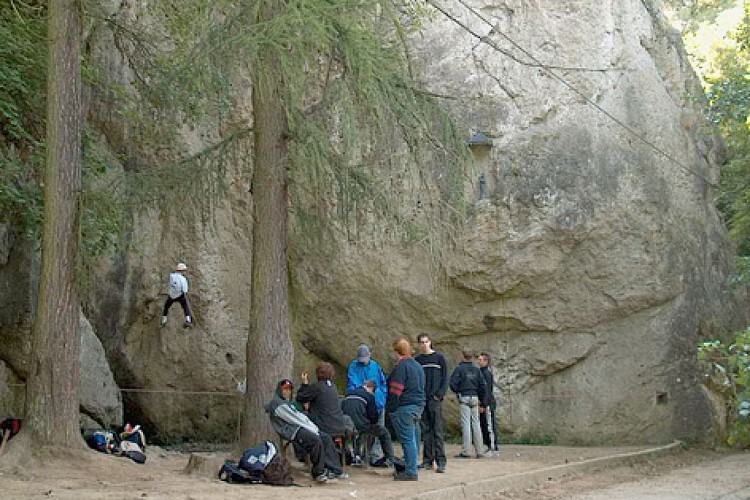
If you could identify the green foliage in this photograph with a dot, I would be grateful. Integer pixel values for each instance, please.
(694, 12)
(729, 105)
(20, 192)
(22, 73)
(355, 115)
(23, 67)
(22, 106)
(531, 440)
(729, 375)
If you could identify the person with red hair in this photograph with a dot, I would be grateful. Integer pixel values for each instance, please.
(405, 402)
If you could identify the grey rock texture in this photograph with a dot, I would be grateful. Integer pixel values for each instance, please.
(589, 269)
(98, 392)
(596, 259)
(99, 395)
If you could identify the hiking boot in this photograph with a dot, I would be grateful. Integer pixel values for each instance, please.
(404, 476)
(163, 321)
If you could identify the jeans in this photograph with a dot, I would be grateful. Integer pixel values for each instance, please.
(406, 422)
(468, 408)
(433, 433)
(488, 423)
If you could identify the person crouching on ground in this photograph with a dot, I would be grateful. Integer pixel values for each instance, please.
(360, 405)
(293, 425)
(404, 404)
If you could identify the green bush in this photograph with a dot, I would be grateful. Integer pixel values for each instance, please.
(729, 375)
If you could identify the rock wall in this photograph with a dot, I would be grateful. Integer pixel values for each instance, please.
(590, 263)
(595, 259)
(100, 402)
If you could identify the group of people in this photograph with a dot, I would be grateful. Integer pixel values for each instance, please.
(411, 395)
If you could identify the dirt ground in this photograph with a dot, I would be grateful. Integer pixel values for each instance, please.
(91, 475)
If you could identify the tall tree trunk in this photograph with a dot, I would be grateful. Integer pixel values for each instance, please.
(270, 352)
(52, 413)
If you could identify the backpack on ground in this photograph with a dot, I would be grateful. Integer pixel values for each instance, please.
(278, 472)
(232, 473)
(256, 458)
(102, 441)
(263, 461)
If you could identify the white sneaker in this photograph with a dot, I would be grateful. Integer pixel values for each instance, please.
(163, 320)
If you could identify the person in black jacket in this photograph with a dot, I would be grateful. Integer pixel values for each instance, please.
(321, 400)
(360, 405)
(468, 384)
(487, 408)
(436, 376)
(295, 426)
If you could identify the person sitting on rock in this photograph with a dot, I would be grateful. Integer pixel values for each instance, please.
(293, 425)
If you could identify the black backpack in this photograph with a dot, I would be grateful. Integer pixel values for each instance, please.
(232, 473)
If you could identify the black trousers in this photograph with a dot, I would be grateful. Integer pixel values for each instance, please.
(380, 432)
(433, 432)
(488, 422)
(320, 447)
(182, 299)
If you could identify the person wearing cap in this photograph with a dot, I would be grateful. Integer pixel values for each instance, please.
(363, 368)
(177, 292)
(293, 425)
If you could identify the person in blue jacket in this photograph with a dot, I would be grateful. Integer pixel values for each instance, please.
(363, 368)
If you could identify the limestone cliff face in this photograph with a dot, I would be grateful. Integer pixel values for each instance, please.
(100, 402)
(589, 265)
(593, 262)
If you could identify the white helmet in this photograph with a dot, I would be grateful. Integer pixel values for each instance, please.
(181, 266)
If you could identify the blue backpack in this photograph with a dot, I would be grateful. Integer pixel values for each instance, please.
(256, 459)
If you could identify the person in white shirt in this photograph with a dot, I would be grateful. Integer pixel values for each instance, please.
(177, 292)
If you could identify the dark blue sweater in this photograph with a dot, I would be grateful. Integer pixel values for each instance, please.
(405, 385)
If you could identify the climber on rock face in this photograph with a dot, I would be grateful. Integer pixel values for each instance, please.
(177, 292)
